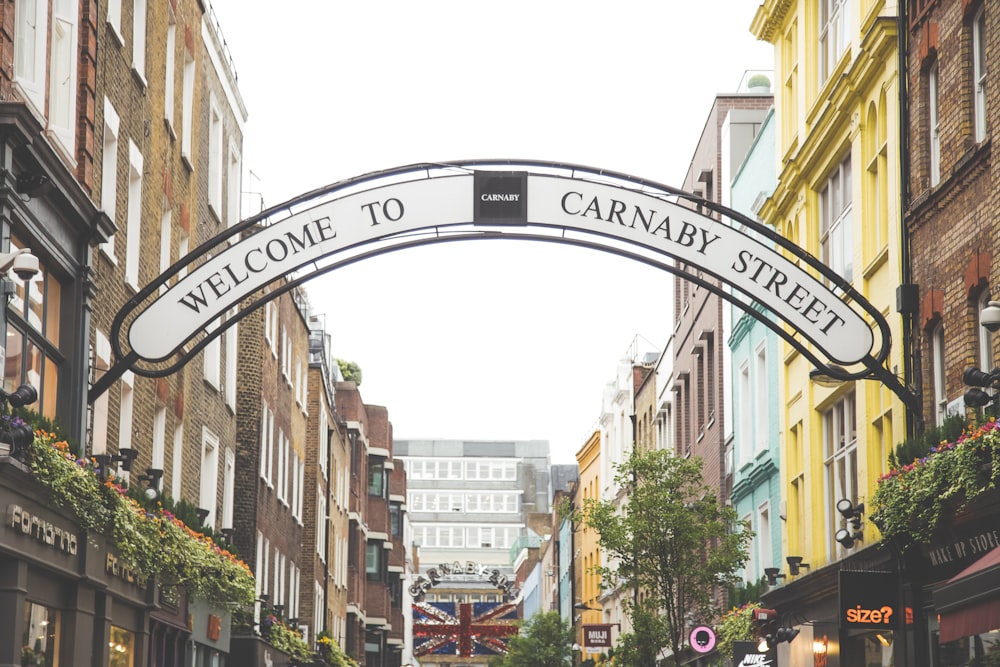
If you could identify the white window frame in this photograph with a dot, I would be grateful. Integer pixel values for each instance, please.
(832, 35)
(170, 56)
(166, 240)
(101, 414)
(233, 184)
(979, 73)
(760, 399)
(938, 370)
(109, 173)
(30, 46)
(215, 157)
(125, 409)
(228, 487)
(212, 357)
(159, 435)
(139, 39)
(836, 220)
(178, 462)
(933, 121)
(134, 223)
(209, 484)
(840, 447)
(63, 72)
(746, 415)
(115, 18)
(232, 339)
(187, 105)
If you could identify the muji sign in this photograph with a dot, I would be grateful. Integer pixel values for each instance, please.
(826, 319)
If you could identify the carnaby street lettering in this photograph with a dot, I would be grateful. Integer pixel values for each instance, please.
(500, 197)
(758, 271)
(257, 260)
(613, 210)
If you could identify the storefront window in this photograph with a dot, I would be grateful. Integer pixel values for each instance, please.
(32, 330)
(39, 643)
(975, 651)
(122, 648)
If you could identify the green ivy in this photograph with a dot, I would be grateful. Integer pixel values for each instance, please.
(736, 625)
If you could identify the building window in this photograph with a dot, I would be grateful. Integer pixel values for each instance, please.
(935, 133)
(937, 367)
(395, 520)
(832, 35)
(232, 339)
(763, 536)
(39, 640)
(187, 103)
(32, 350)
(836, 226)
(373, 560)
(979, 73)
(228, 488)
(744, 404)
(133, 226)
(109, 171)
(233, 186)
(62, 82)
(212, 357)
(841, 458)
(376, 479)
(30, 42)
(159, 435)
(115, 18)
(121, 648)
(166, 224)
(760, 400)
(139, 38)
(170, 58)
(125, 410)
(215, 157)
(178, 463)
(209, 475)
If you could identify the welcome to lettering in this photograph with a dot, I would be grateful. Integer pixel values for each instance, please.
(257, 260)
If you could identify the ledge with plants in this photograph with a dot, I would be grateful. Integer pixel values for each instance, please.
(152, 539)
(912, 499)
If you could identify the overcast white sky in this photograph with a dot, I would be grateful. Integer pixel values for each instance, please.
(493, 339)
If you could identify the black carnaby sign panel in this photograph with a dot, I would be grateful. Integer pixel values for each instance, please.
(501, 197)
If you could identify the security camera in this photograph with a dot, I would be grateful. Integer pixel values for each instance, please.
(990, 317)
(25, 266)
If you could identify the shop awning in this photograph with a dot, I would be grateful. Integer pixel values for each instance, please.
(969, 602)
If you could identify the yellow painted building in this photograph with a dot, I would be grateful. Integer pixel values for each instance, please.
(837, 196)
(586, 550)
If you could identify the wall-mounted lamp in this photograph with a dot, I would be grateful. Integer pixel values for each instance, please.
(263, 598)
(20, 397)
(773, 574)
(152, 479)
(127, 456)
(850, 511)
(202, 513)
(227, 534)
(820, 645)
(586, 607)
(847, 538)
(794, 564)
(782, 634)
(293, 622)
(974, 377)
(279, 610)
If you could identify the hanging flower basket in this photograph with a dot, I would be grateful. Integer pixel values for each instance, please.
(910, 501)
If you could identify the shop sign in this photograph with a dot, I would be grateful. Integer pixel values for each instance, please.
(597, 637)
(745, 654)
(435, 574)
(23, 522)
(868, 600)
(116, 567)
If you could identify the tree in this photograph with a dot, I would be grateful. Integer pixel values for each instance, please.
(545, 640)
(673, 543)
(350, 370)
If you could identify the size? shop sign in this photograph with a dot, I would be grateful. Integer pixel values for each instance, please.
(868, 600)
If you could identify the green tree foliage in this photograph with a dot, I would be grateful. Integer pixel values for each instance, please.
(545, 640)
(672, 541)
(350, 370)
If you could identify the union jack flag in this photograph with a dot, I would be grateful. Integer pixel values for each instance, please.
(463, 629)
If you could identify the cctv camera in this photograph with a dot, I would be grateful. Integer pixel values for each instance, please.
(990, 317)
(26, 266)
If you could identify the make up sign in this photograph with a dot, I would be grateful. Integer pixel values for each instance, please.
(476, 200)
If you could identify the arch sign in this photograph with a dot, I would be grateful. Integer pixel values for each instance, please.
(431, 203)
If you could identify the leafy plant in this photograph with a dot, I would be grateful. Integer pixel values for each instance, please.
(350, 370)
(920, 446)
(284, 638)
(736, 625)
(544, 640)
(758, 81)
(910, 500)
(154, 542)
(331, 653)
